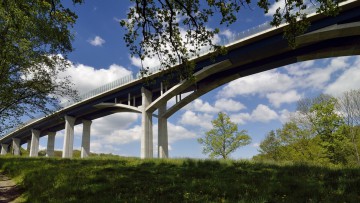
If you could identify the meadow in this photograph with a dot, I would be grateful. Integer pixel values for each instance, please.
(116, 179)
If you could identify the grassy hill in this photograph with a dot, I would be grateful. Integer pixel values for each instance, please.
(111, 179)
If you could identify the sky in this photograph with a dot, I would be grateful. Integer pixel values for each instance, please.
(257, 103)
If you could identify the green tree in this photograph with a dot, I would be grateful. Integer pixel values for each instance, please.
(270, 146)
(329, 126)
(224, 138)
(34, 40)
(174, 30)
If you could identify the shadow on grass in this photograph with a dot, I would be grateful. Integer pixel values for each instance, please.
(135, 180)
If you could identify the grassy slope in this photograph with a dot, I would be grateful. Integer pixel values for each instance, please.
(135, 180)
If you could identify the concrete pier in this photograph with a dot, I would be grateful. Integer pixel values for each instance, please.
(69, 137)
(34, 146)
(16, 146)
(4, 149)
(85, 141)
(146, 124)
(50, 144)
(163, 151)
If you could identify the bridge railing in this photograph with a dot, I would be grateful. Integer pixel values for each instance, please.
(129, 78)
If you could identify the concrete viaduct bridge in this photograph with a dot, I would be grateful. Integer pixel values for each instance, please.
(257, 50)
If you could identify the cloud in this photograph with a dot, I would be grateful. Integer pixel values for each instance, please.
(240, 118)
(260, 83)
(261, 113)
(319, 77)
(348, 80)
(196, 119)
(86, 78)
(272, 9)
(278, 98)
(147, 62)
(229, 105)
(97, 41)
(200, 106)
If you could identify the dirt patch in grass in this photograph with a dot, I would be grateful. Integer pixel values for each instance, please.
(9, 190)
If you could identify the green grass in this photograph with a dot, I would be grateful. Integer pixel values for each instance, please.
(186, 180)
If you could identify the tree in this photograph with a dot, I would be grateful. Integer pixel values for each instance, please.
(34, 41)
(175, 30)
(290, 143)
(330, 127)
(224, 138)
(270, 146)
(349, 105)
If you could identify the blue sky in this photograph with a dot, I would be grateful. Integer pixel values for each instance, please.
(257, 103)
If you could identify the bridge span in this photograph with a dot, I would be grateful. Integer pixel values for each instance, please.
(257, 52)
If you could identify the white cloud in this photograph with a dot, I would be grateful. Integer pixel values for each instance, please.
(147, 62)
(196, 119)
(229, 105)
(278, 98)
(113, 124)
(260, 83)
(319, 77)
(97, 41)
(86, 78)
(300, 69)
(285, 115)
(240, 118)
(272, 9)
(200, 106)
(350, 79)
(261, 113)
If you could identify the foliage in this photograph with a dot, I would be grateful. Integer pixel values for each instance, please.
(316, 134)
(224, 138)
(290, 143)
(175, 30)
(184, 180)
(329, 126)
(35, 39)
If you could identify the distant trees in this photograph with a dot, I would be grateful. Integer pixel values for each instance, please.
(324, 130)
(224, 138)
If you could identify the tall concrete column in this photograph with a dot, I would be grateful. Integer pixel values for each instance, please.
(146, 125)
(4, 149)
(28, 145)
(50, 144)
(34, 146)
(69, 137)
(16, 146)
(163, 151)
(85, 141)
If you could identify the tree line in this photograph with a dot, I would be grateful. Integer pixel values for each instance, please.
(324, 130)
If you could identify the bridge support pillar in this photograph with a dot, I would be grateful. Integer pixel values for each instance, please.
(146, 125)
(34, 146)
(69, 137)
(16, 146)
(163, 151)
(50, 144)
(85, 141)
(4, 149)
(28, 145)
